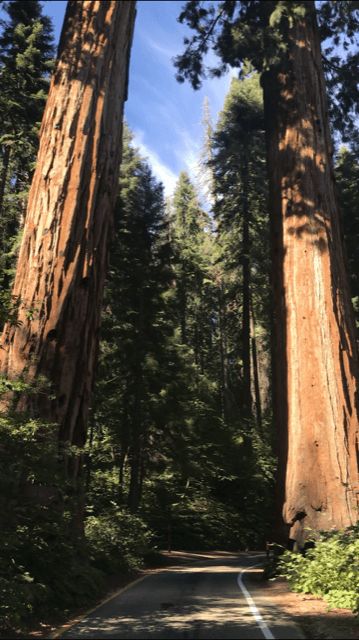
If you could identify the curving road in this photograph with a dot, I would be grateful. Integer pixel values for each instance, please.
(205, 600)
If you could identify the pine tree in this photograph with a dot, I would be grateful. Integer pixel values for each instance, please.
(347, 179)
(238, 145)
(26, 60)
(190, 220)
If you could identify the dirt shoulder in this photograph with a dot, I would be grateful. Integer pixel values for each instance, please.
(307, 612)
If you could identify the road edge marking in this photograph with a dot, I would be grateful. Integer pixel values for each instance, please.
(63, 628)
(262, 625)
(57, 634)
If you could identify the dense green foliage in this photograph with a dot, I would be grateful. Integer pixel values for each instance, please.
(159, 444)
(243, 240)
(43, 566)
(26, 63)
(329, 570)
(347, 178)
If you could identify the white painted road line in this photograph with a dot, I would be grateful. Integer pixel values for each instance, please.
(262, 625)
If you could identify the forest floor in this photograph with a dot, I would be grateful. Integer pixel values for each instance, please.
(307, 612)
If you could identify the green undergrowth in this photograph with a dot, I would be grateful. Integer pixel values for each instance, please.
(46, 568)
(117, 540)
(329, 570)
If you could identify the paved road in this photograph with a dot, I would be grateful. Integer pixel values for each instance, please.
(201, 601)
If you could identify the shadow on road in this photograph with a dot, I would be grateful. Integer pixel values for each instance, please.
(201, 601)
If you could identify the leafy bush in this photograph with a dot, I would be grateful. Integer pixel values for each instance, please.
(117, 540)
(42, 564)
(329, 570)
(41, 569)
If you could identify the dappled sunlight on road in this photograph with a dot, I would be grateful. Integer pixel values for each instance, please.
(206, 617)
(204, 569)
(197, 601)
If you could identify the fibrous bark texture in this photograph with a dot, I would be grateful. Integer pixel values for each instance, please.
(316, 364)
(65, 247)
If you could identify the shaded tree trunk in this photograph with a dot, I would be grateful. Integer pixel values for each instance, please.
(65, 249)
(247, 397)
(255, 369)
(183, 311)
(3, 175)
(134, 495)
(89, 460)
(223, 354)
(316, 369)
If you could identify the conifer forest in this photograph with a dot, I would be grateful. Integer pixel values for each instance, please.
(178, 373)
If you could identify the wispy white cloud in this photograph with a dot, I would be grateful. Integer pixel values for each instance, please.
(166, 52)
(160, 170)
(187, 149)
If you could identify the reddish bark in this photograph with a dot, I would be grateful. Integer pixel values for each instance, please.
(64, 253)
(316, 386)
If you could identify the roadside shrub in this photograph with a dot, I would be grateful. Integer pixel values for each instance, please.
(117, 540)
(329, 570)
(42, 563)
(41, 569)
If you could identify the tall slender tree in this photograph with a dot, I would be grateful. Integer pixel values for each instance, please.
(65, 248)
(188, 236)
(238, 145)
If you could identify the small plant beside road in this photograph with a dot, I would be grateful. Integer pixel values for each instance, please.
(330, 570)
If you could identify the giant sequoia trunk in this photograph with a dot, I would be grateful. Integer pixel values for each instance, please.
(65, 248)
(316, 410)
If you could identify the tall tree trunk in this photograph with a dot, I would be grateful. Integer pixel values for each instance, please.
(247, 397)
(316, 399)
(64, 253)
(255, 369)
(134, 495)
(3, 175)
(135, 451)
(223, 353)
(89, 460)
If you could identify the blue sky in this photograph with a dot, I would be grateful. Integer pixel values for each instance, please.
(164, 115)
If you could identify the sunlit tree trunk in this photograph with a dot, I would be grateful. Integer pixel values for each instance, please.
(316, 400)
(65, 248)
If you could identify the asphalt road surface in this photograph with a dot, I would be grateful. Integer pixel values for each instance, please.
(200, 601)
